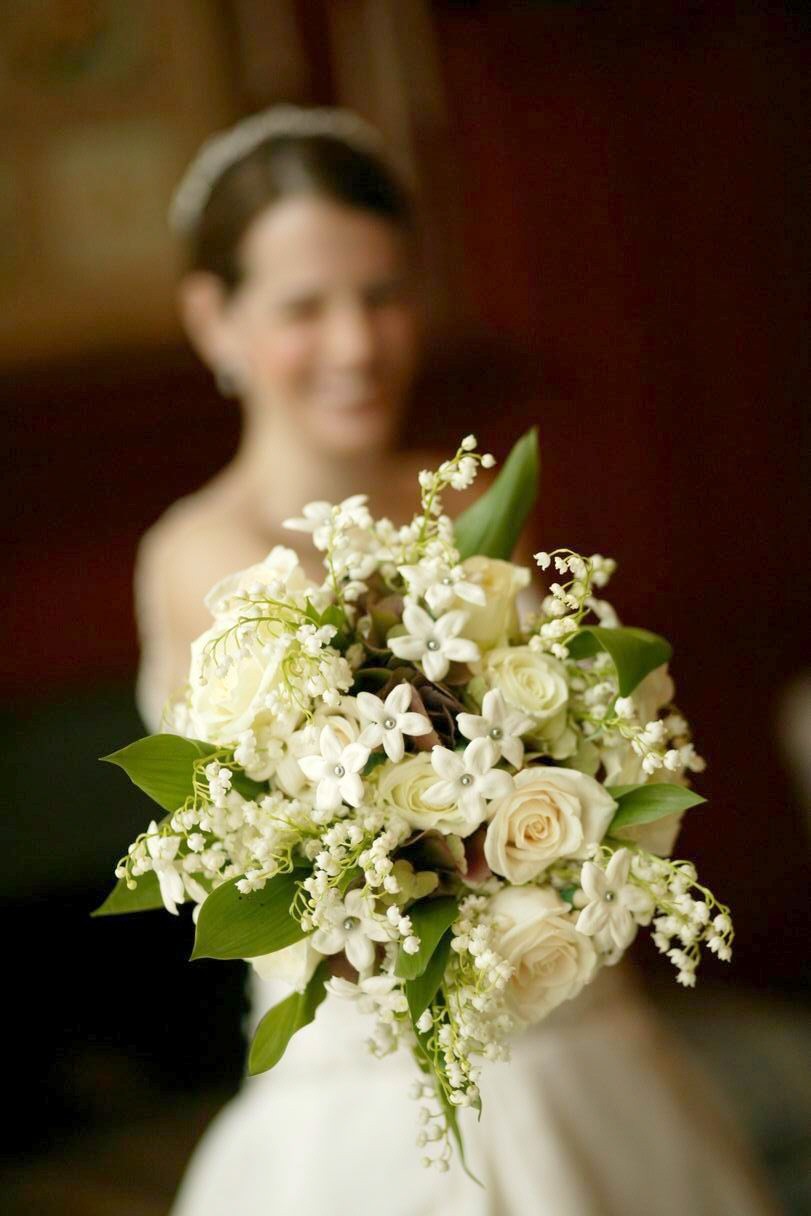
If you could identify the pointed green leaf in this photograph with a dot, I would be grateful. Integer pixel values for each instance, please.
(635, 652)
(162, 766)
(421, 991)
(430, 918)
(492, 525)
(645, 803)
(281, 1022)
(147, 895)
(231, 925)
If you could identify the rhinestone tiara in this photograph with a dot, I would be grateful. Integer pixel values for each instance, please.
(227, 147)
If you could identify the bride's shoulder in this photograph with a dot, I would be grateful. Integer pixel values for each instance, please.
(196, 541)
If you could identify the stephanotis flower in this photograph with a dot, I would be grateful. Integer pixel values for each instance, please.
(500, 723)
(352, 928)
(376, 993)
(319, 518)
(469, 779)
(390, 720)
(337, 771)
(434, 643)
(614, 902)
(438, 584)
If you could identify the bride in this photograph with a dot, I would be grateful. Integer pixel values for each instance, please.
(301, 297)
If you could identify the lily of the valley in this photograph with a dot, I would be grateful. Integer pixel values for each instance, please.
(162, 851)
(433, 643)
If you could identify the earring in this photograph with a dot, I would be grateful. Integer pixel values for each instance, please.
(227, 382)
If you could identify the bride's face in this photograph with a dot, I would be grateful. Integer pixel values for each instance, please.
(324, 325)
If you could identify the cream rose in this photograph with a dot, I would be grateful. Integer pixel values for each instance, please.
(223, 704)
(549, 814)
(402, 786)
(280, 566)
(536, 684)
(496, 621)
(552, 960)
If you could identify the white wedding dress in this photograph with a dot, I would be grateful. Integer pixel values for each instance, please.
(599, 1113)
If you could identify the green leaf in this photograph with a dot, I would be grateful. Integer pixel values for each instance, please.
(492, 525)
(231, 925)
(421, 991)
(281, 1022)
(635, 652)
(144, 898)
(430, 918)
(451, 1115)
(645, 803)
(162, 766)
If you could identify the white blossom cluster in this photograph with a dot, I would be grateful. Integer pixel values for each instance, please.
(400, 743)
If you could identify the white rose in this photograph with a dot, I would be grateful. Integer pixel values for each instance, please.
(224, 704)
(294, 965)
(552, 961)
(549, 814)
(495, 622)
(280, 566)
(403, 786)
(536, 684)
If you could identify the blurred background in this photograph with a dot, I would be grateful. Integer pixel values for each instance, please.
(616, 213)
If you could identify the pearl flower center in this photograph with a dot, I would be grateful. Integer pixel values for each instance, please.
(466, 779)
(609, 897)
(339, 770)
(432, 644)
(389, 723)
(496, 732)
(350, 923)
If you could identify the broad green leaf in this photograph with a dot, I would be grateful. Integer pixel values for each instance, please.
(281, 1022)
(231, 925)
(492, 525)
(635, 652)
(162, 766)
(430, 918)
(146, 896)
(421, 991)
(645, 803)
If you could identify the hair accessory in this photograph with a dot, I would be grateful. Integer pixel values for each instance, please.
(227, 147)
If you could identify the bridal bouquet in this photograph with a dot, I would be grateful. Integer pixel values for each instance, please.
(387, 789)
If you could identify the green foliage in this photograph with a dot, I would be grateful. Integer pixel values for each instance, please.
(281, 1022)
(430, 918)
(645, 803)
(162, 766)
(144, 898)
(492, 525)
(231, 925)
(634, 652)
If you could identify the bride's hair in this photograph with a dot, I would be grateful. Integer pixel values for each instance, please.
(282, 166)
